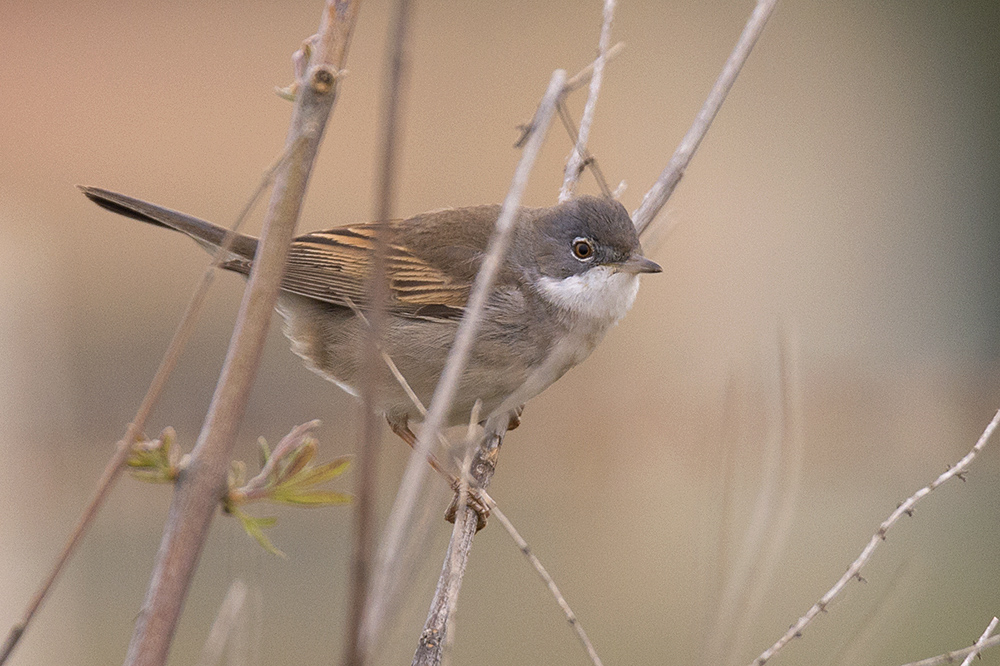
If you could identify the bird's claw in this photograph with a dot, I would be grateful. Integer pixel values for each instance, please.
(473, 500)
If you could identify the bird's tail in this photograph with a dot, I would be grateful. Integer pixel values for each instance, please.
(208, 235)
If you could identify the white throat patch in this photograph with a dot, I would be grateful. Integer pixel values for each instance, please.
(600, 293)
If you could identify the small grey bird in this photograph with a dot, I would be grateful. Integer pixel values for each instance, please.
(570, 274)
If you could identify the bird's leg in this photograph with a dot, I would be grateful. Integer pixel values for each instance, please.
(514, 419)
(473, 498)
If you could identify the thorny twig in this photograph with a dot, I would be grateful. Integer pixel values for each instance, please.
(976, 646)
(952, 657)
(854, 571)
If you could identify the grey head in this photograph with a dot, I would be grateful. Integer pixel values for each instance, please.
(586, 258)
(584, 233)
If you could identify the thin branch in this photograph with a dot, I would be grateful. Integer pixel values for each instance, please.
(952, 657)
(661, 190)
(444, 392)
(582, 77)
(588, 158)
(124, 446)
(373, 370)
(574, 166)
(546, 578)
(434, 636)
(854, 571)
(203, 481)
(977, 645)
(462, 517)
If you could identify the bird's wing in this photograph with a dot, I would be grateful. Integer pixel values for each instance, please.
(333, 266)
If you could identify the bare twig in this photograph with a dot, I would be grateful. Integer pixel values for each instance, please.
(574, 166)
(373, 374)
(123, 447)
(854, 571)
(952, 657)
(589, 160)
(582, 77)
(977, 645)
(462, 517)
(203, 482)
(546, 578)
(448, 384)
(661, 190)
(432, 638)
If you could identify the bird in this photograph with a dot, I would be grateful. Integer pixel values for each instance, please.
(570, 274)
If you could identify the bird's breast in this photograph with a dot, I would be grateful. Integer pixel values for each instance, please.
(601, 294)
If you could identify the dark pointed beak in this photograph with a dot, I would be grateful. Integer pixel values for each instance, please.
(639, 264)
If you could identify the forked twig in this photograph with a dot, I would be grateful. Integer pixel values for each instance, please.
(589, 161)
(952, 657)
(854, 571)
(986, 634)
(430, 647)
(661, 190)
(484, 463)
(575, 163)
(462, 482)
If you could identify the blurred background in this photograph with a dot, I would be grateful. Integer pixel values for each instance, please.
(845, 202)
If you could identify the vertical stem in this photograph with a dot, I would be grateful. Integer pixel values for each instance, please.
(374, 374)
(432, 638)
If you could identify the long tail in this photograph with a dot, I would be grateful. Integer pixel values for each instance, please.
(206, 234)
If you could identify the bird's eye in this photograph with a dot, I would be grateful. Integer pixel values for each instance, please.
(583, 249)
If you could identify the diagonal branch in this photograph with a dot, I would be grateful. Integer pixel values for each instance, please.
(977, 646)
(444, 393)
(203, 481)
(854, 571)
(954, 656)
(124, 446)
(661, 190)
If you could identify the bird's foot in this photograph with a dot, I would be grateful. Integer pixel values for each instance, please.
(474, 500)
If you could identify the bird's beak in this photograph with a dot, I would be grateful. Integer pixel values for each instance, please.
(638, 264)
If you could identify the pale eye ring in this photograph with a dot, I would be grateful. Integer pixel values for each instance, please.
(583, 249)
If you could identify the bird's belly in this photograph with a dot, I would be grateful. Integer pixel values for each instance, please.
(331, 341)
(506, 367)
